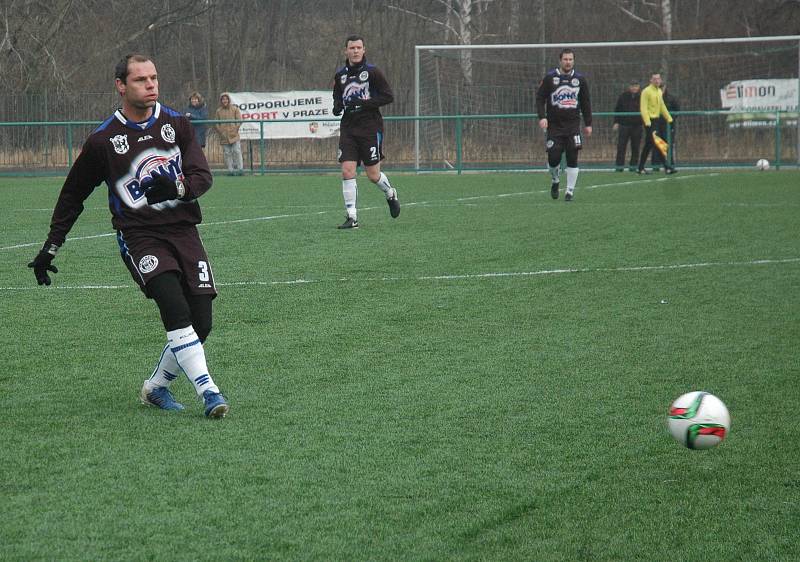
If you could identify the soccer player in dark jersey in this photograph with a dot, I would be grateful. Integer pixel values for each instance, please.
(148, 157)
(359, 90)
(562, 97)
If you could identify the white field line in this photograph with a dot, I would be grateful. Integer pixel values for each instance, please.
(315, 213)
(456, 277)
(580, 188)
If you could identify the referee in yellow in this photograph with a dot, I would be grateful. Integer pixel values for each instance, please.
(655, 117)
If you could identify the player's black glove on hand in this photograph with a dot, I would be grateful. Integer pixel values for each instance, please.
(163, 188)
(41, 263)
(351, 106)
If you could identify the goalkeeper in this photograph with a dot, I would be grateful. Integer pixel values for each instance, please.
(655, 117)
(562, 97)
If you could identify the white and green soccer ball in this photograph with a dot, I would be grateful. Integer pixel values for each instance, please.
(762, 164)
(699, 420)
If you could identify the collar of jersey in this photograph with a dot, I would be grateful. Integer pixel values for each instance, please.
(360, 66)
(570, 73)
(144, 125)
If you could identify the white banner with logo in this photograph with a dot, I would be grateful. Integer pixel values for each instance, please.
(744, 97)
(314, 108)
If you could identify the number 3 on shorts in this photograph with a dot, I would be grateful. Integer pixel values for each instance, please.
(203, 267)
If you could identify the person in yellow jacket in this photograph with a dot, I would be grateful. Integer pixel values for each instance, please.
(655, 117)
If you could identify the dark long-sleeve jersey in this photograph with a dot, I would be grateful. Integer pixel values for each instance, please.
(562, 98)
(365, 89)
(628, 102)
(124, 154)
(672, 103)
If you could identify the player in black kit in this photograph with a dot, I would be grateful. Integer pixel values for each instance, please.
(359, 90)
(562, 98)
(154, 169)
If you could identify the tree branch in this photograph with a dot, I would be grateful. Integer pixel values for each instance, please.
(631, 14)
(425, 18)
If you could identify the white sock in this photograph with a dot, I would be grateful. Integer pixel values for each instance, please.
(554, 174)
(386, 187)
(166, 371)
(572, 178)
(350, 193)
(191, 357)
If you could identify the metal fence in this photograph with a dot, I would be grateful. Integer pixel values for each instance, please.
(453, 143)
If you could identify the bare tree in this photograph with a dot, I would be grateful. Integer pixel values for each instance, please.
(210, 45)
(457, 20)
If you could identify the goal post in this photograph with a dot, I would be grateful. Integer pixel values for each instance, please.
(739, 99)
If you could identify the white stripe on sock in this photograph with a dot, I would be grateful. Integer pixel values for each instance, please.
(191, 357)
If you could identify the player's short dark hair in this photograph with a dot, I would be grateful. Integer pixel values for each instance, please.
(564, 52)
(353, 38)
(121, 70)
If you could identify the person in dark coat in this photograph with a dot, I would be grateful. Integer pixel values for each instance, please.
(628, 127)
(197, 111)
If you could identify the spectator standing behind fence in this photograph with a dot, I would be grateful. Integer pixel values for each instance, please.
(655, 117)
(229, 135)
(628, 127)
(197, 111)
(673, 104)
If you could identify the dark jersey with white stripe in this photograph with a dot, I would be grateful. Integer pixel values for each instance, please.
(365, 86)
(562, 98)
(124, 154)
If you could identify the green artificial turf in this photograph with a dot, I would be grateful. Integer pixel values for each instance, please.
(484, 378)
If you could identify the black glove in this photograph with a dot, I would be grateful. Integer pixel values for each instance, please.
(41, 263)
(337, 110)
(353, 105)
(163, 188)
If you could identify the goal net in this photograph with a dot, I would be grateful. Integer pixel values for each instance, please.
(738, 100)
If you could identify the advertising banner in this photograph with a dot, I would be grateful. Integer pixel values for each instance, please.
(314, 107)
(746, 97)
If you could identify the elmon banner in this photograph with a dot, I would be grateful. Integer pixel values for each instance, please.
(314, 108)
(745, 97)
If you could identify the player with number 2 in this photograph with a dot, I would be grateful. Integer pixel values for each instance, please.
(359, 90)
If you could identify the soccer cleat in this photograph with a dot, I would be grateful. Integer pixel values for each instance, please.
(160, 397)
(215, 404)
(554, 190)
(643, 172)
(394, 204)
(671, 171)
(568, 196)
(349, 223)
